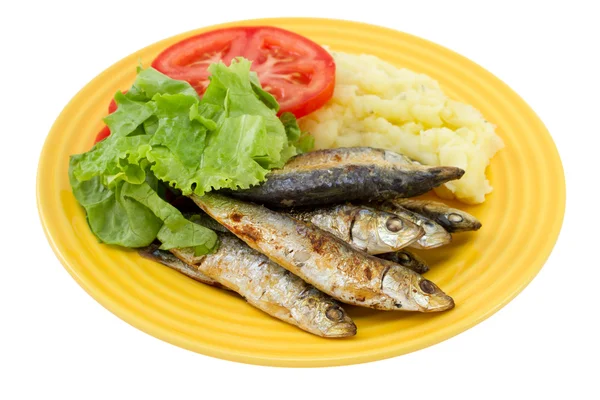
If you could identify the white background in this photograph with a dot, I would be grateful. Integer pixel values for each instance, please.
(56, 341)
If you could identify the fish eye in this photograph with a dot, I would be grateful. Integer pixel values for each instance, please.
(334, 314)
(394, 224)
(427, 286)
(404, 257)
(428, 224)
(455, 218)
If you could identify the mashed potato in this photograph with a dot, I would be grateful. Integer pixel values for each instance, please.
(378, 105)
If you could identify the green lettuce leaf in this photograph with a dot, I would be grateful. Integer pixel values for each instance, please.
(305, 143)
(263, 95)
(134, 215)
(231, 88)
(150, 82)
(238, 150)
(301, 141)
(164, 134)
(176, 231)
(112, 217)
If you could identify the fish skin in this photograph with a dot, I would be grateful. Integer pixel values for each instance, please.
(347, 155)
(164, 257)
(325, 261)
(452, 219)
(304, 181)
(435, 235)
(364, 228)
(407, 259)
(272, 289)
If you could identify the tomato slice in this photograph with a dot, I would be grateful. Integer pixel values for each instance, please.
(103, 134)
(112, 106)
(297, 71)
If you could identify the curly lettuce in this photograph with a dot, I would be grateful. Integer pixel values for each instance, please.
(163, 133)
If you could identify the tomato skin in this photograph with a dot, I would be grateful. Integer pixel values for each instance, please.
(112, 106)
(297, 71)
(103, 134)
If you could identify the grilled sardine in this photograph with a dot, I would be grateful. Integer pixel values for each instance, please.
(270, 288)
(346, 174)
(325, 261)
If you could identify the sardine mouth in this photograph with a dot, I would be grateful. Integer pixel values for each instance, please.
(419, 294)
(342, 329)
(433, 241)
(384, 248)
(420, 268)
(446, 173)
(445, 303)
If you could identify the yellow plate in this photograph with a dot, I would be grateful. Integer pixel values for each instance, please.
(483, 271)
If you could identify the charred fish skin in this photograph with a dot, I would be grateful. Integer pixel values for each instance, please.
(274, 290)
(407, 259)
(435, 235)
(325, 261)
(168, 259)
(346, 183)
(452, 219)
(366, 229)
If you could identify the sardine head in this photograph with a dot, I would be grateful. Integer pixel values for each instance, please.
(412, 292)
(395, 232)
(378, 232)
(460, 221)
(325, 316)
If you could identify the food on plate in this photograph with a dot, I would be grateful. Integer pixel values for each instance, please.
(452, 219)
(329, 183)
(165, 137)
(188, 253)
(214, 120)
(364, 228)
(103, 134)
(435, 235)
(164, 257)
(407, 259)
(380, 105)
(272, 289)
(299, 73)
(325, 261)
